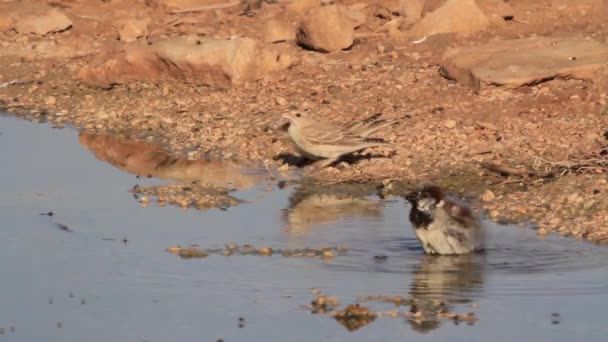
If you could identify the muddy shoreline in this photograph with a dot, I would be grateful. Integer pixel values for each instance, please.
(446, 129)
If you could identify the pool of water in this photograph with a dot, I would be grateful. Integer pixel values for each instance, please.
(109, 277)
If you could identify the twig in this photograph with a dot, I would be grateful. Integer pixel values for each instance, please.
(265, 165)
(510, 171)
(205, 8)
(14, 82)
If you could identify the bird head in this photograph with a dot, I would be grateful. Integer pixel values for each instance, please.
(426, 197)
(294, 117)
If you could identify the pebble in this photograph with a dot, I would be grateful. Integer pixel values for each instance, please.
(449, 123)
(488, 196)
(328, 254)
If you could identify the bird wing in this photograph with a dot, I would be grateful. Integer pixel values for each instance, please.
(328, 135)
(459, 213)
(368, 126)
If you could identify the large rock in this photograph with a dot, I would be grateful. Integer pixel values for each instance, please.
(53, 21)
(65, 47)
(193, 59)
(6, 23)
(132, 29)
(496, 10)
(328, 29)
(455, 16)
(300, 7)
(513, 63)
(278, 30)
(578, 4)
(411, 10)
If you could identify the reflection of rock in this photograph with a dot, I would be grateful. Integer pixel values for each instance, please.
(146, 159)
(439, 281)
(310, 208)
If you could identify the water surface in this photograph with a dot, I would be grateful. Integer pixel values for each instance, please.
(110, 278)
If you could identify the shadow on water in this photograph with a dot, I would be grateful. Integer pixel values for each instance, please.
(88, 285)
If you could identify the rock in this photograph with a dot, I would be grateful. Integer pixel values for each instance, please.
(53, 21)
(278, 30)
(411, 10)
(496, 10)
(488, 196)
(193, 59)
(455, 16)
(577, 4)
(51, 100)
(185, 4)
(449, 123)
(327, 29)
(69, 46)
(513, 63)
(302, 6)
(281, 101)
(6, 23)
(133, 29)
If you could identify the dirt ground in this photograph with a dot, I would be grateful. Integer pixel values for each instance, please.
(446, 130)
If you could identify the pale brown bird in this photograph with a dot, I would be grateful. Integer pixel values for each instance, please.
(316, 139)
(443, 226)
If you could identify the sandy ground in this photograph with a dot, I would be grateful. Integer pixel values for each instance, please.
(445, 129)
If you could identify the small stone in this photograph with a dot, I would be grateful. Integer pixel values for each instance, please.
(544, 91)
(133, 29)
(174, 249)
(449, 123)
(280, 101)
(51, 100)
(488, 196)
(265, 251)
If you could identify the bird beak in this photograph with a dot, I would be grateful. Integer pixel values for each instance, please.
(284, 126)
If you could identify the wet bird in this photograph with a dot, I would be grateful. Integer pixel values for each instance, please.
(319, 140)
(443, 226)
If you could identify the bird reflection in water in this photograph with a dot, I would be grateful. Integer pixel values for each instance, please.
(311, 207)
(439, 282)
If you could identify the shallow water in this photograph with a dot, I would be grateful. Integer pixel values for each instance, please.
(90, 285)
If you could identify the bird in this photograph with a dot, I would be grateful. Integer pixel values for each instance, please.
(324, 142)
(442, 226)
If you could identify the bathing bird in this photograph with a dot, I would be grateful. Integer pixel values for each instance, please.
(442, 226)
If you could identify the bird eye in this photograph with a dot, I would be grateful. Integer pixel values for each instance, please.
(298, 115)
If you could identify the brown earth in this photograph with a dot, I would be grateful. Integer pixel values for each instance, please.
(225, 101)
